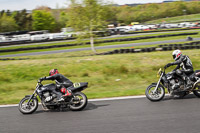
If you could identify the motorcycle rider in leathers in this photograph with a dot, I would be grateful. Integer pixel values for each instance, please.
(183, 62)
(61, 80)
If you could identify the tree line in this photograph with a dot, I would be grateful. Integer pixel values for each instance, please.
(44, 18)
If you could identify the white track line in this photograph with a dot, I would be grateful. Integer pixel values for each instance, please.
(90, 100)
(116, 98)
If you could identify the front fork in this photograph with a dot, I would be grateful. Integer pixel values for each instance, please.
(158, 83)
(31, 97)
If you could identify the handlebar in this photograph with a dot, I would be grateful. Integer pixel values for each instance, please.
(39, 83)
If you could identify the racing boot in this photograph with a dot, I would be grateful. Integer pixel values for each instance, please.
(175, 86)
(64, 97)
(68, 93)
(61, 99)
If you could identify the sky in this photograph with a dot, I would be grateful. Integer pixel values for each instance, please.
(32, 4)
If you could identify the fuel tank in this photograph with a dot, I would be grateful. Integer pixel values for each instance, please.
(48, 87)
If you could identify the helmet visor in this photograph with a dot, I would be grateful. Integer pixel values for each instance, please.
(174, 56)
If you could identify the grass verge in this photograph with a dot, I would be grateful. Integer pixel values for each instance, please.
(108, 75)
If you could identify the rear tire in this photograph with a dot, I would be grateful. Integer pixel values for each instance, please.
(197, 92)
(157, 96)
(28, 109)
(79, 102)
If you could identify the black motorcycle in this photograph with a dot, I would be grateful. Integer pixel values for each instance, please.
(76, 102)
(174, 84)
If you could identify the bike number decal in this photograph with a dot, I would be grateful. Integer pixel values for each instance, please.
(77, 85)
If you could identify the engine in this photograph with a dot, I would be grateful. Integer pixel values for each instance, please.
(48, 96)
(176, 84)
(173, 82)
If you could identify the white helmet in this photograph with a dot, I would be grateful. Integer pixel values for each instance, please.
(176, 54)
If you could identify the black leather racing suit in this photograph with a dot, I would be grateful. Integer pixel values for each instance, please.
(61, 80)
(185, 63)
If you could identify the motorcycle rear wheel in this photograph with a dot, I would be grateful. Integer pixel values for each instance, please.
(157, 96)
(28, 109)
(197, 91)
(79, 102)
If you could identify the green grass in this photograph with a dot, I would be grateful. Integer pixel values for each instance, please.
(193, 17)
(135, 71)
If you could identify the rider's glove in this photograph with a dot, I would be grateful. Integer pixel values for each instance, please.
(168, 65)
(43, 78)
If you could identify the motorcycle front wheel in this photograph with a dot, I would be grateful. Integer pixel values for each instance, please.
(155, 96)
(78, 102)
(25, 108)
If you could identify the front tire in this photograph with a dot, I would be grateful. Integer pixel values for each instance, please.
(28, 109)
(79, 102)
(157, 96)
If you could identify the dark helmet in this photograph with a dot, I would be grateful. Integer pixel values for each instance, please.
(53, 72)
(176, 54)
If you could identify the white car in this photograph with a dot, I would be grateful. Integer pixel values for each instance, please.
(186, 24)
(140, 27)
(39, 37)
(57, 36)
(23, 37)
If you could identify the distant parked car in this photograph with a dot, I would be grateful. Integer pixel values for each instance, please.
(39, 37)
(151, 26)
(23, 37)
(2, 38)
(116, 30)
(186, 24)
(140, 27)
(122, 29)
(57, 36)
(171, 25)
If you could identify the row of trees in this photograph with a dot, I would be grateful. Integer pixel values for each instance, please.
(17, 20)
(87, 16)
(146, 12)
(41, 18)
(44, 18)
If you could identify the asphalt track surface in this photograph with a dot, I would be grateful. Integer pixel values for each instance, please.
(99, 47)
(115, 116)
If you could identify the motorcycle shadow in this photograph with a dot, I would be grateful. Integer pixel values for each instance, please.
(190, 96)
(46, 111)
(90, 106)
